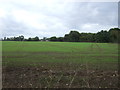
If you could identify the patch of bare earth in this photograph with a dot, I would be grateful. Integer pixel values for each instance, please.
(58, 76)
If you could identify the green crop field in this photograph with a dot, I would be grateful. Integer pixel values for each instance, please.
(59, 64)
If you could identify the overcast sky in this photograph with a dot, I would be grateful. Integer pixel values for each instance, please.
(46, 18)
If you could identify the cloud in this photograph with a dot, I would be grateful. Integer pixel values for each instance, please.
(46, 18)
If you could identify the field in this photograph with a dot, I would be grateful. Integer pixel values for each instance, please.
(59, 65)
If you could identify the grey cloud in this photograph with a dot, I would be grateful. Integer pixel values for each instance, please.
(100, 13)
(11, 27)
(59, 17)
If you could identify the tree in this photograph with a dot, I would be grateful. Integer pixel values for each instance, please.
(53, 38)
(73, 36)
(5, 39)
(8, 39)
(87, 37)
(16, 39)
(114, 35)
(36, 39)
(60, 39)
(66, 38)
(29, 39)
(102, 36)
(21, 38)
(44, 39)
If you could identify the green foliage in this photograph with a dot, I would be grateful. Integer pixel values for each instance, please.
(73, 36)
(114, 35)
(36, 39)
(104, 36)
(33, 39)
(44, 39)
(87, 37)
(60, 39)
(53, 39)
(29, 39)
(66, 37)
(21, 38)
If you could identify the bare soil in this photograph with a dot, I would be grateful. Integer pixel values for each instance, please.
(58, 76)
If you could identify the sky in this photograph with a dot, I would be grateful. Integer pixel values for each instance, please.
(47, 18)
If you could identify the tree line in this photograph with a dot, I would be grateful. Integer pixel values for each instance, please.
(103, 36)
(20, 38)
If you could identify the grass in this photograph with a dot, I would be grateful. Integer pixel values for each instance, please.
(59, 64)
(22, 52)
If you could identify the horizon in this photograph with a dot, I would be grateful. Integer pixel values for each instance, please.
(55, 36)
(55, 18)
